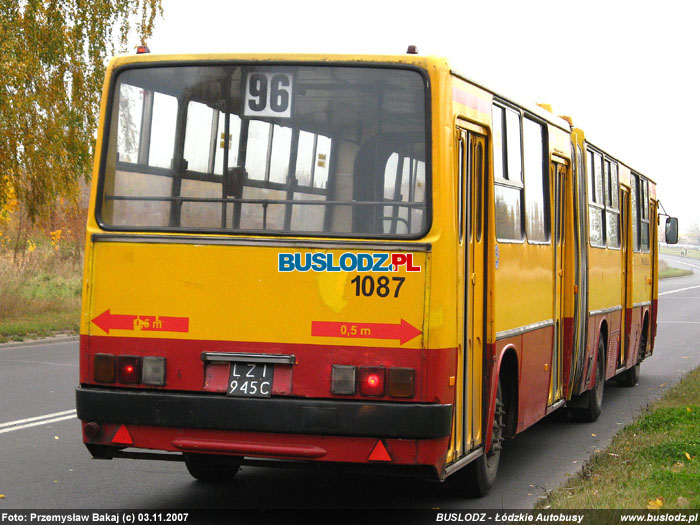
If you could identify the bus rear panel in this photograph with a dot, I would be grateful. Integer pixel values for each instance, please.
(253, 283)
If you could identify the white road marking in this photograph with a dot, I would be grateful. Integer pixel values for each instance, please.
(36, 421)
(679, 262)
(679, 290)
(74, 365)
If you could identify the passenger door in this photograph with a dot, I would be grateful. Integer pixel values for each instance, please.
(558, 172)
(472, 240)
(626, 254)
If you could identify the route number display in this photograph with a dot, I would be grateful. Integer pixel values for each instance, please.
(269, 94)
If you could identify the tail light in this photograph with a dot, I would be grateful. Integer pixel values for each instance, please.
(372, 380)
(401, 382)
(343, 380)
(104, 370)
(153, 371)
(129, 369)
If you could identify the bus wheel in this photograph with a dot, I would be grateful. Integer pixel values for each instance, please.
(590, 404)
(630, 377)
(477, 478)
(211, 468)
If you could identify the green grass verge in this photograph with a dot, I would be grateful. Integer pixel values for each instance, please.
(673, 272)
(40, 325)
(667, 272)
(683, 252)
(39, 296)
(653, 462)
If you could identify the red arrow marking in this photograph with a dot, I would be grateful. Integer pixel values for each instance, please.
(147, 323)
(108, 321)
(404, 331)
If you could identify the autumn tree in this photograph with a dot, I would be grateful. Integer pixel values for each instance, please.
(694, 232)
(53, 55)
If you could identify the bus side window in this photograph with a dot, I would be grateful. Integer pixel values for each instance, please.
(634, 205)
(644, 207)
(596, 205)
(536, 182)
(640, 213)
(508, 191)
(612, 205)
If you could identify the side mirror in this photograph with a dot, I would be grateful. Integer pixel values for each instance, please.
(671, 230)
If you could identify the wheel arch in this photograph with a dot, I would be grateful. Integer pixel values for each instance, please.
(508, 372)
(603, 332)
(644, 338)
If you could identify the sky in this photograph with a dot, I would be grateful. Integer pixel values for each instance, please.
(628, 73)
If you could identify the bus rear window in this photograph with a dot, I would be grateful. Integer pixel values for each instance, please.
(324, 150)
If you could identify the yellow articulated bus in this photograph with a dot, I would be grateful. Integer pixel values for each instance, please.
(366, 261)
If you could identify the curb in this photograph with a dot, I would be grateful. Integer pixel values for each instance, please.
(45, 341)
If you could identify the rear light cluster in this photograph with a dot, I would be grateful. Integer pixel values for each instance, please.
(372, 381)
(129, 369)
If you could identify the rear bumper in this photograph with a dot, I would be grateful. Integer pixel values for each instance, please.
(276, 415)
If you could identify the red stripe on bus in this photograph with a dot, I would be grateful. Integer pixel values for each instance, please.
(308, 377)
(471, 101)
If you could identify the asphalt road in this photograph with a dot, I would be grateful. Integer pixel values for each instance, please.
(43, 463)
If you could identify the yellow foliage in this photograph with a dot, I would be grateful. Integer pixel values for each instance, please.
(9, 207)
(55, 239)
(52, 69)
(656, 503)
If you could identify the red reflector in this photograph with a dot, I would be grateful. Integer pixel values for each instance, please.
(379, 453)
(122, 437)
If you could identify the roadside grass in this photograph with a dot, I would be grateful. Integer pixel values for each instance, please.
(39, 294)
(667, 272)
(682, 252)
(652, 463)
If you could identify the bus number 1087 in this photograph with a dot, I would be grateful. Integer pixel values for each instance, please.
(367, 286)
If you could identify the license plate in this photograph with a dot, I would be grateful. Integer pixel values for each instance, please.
(250, 380)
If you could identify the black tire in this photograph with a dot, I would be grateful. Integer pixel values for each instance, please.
(212, 469)
(590, 404)
(477, 478)
(629, 377)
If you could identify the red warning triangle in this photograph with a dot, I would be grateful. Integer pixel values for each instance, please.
(379, 453)
(122, 437)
